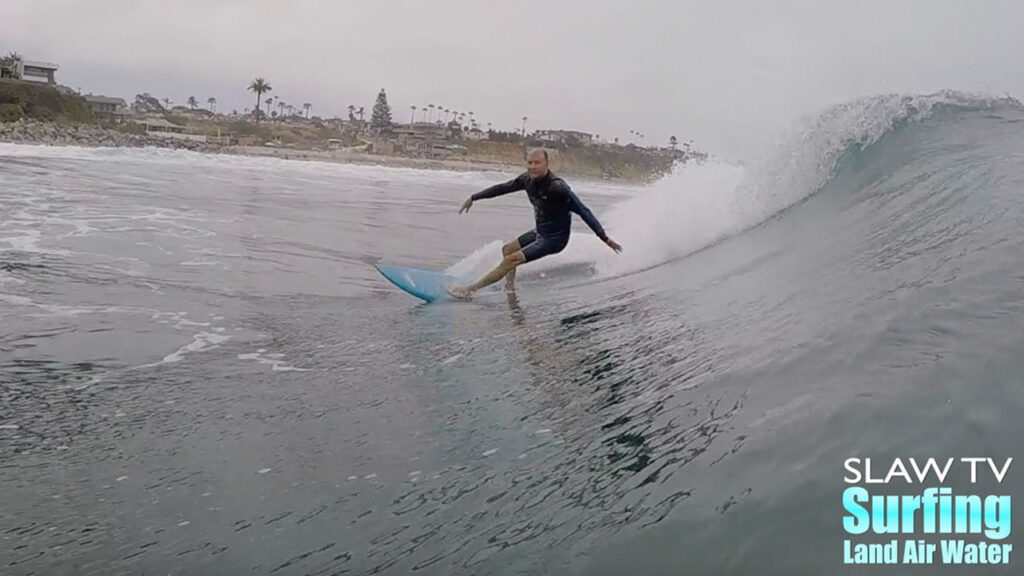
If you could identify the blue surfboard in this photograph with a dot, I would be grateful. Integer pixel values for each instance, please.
(428, 285)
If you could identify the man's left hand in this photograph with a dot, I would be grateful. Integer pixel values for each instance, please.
(613, 244)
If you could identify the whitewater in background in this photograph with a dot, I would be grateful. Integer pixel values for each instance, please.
(202, 372)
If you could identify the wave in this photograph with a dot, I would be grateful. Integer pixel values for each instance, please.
(703, 204)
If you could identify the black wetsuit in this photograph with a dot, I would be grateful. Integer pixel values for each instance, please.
(553, 204)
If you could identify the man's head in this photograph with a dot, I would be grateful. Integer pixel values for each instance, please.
(537, 163)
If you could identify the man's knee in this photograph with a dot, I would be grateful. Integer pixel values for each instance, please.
(514, 259)
(510, 248)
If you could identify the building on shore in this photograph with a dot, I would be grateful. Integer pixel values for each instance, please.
(564, 137)
(28, 70)
(164, 129)
(420, 140)
(35, 71)
(107, 108)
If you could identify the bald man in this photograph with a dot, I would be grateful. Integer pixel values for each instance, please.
(553, 204)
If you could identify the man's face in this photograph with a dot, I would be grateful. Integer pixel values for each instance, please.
(536, 165)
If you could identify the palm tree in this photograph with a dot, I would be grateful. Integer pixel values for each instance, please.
(524, 126)
(280, 107)
(307, 107)
(360, 113)
(212, 102)
(673, 142)
(259, 86)
(192, 102)
(351, 111)
(269, 102)
(413, 120)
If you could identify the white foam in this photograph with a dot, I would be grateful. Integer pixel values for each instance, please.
(60, 310)
(200, 342)
(452, 359)
(195, 262)
(272, 359)
(28, 242)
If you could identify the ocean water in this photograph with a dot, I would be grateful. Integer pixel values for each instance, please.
(202, 373)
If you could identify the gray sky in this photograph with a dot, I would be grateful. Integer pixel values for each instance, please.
(724, 73)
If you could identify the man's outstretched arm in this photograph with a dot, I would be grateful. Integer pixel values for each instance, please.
(517, 183)
(577, 206)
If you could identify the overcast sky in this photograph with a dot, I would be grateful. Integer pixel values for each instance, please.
(725, 74)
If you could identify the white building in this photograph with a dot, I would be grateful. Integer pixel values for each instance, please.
(165, 129)
(35, 71)
(564, 136)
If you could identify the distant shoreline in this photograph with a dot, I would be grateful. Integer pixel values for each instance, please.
(41, 114)
(67, 137)
(44, 133)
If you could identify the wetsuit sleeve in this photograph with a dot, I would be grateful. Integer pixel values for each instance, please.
(577, 206)
(518, 183)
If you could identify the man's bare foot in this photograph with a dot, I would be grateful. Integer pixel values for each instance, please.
(458, 292)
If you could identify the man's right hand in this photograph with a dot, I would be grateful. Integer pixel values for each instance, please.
(466, 205)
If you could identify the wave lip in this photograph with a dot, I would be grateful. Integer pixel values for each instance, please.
(805, 157)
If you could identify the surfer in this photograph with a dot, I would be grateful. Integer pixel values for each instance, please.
(553, 203)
